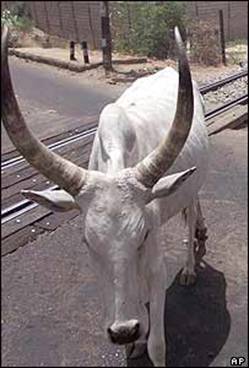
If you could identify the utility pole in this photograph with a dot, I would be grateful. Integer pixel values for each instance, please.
(106, 37)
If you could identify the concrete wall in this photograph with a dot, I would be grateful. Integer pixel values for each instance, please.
(235, 15)
(73, 20)
(80, 20)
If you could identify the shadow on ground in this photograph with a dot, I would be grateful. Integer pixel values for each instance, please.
(197, 321)
(132, 75)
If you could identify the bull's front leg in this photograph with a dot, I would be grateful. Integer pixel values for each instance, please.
(156, 339)
(195, 243)
(200, 234)
(188, 275)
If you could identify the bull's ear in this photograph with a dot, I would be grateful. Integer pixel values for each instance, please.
(169, 184)
(56, 200)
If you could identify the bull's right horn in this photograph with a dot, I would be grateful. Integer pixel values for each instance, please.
(154, 166)
(64, 173)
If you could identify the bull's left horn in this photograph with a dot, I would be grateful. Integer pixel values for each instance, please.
(61, 171)
(154, 166)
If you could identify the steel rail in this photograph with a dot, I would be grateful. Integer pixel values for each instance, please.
(220, 83)
(53, 146)
(20, 208)
(17, 210)
(211, 114)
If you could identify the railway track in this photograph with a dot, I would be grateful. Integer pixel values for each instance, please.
(53, 146)
(220, 83)
(24, 214)
(78, 136)
(229, 105)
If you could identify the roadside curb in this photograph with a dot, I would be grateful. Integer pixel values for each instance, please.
(68, 64)
(52, 61)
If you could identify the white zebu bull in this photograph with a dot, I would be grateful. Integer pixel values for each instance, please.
(124, 197)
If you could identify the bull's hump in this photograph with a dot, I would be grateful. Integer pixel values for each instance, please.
(163, 82)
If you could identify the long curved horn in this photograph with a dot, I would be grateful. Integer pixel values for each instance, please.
(152, 168)
(61, 171)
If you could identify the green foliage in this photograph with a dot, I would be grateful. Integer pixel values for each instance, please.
(146, 28)
(8, 18)
(13, 20)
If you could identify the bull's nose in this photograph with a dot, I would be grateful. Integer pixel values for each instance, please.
(124, 332)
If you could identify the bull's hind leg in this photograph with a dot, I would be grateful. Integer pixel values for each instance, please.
(195, 243)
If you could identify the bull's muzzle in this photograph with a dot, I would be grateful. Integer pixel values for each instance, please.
(124, 332)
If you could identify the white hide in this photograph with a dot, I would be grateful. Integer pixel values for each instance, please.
(131, 270)
(135, 124)
(122, 217)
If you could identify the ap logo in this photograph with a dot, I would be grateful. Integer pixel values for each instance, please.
(237, 361)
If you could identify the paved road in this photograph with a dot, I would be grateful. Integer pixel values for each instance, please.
(51, 310)
(53, 100)
(51, 88)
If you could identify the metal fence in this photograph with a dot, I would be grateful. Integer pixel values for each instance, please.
(235, 15)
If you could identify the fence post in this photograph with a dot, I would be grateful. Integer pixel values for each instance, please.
(222, 37)
(85, 52)
(106, 37)
(72, 50)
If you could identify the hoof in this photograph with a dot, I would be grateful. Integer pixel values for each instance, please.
(187, 277)
(135, 350)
